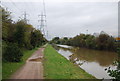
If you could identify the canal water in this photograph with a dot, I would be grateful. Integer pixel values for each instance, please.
(92, 61)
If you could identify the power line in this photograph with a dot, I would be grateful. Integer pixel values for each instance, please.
(15, 5)
(15, 8)
(25, 17)
(25, 14)
(29, 4)
(44, 7)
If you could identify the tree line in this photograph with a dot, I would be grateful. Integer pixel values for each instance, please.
(17, 36)
(102, 42)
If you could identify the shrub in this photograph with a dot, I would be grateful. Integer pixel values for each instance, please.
(116, 72)
(12, 53)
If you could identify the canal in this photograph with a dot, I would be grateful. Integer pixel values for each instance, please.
(92, 61)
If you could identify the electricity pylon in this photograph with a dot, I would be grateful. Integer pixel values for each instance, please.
(42, 23)
(25, 17)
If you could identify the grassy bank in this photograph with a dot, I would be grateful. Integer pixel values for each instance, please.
(9, 68)
(58, 67)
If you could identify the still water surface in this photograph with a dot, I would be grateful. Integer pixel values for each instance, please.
(92, 61)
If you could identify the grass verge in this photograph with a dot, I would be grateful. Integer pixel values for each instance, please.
(9, 68)
(58, 67)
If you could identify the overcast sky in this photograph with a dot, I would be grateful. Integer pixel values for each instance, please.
(69, 17)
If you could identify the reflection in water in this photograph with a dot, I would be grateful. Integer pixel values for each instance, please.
(104, 58)
(66, 54)
(92, 61)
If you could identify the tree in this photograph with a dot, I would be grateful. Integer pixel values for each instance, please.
(102, 41)
(20, 33)
(111, 43)
(36, 38)
(12, 53)
(27, 37)
(65, 38)
(90, 42)
(6, 24)
(56, 40)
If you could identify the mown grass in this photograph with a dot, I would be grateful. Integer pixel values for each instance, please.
(58, 67)
(9, 68)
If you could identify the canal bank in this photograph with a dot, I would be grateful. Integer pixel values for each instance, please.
(57, 66)
(92, 61)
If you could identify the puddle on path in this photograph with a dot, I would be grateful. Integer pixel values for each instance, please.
(36, 60)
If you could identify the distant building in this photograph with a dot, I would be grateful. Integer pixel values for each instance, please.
(117, 39)
(102, 32)
(96, 34)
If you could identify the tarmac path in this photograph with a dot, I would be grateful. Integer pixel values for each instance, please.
(33, 69)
